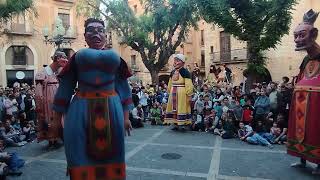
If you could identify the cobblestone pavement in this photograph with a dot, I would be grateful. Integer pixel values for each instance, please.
(158, 153)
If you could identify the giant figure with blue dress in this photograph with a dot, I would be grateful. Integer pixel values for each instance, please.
(97, 117)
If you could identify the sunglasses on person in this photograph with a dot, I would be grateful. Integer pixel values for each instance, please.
(91, 29)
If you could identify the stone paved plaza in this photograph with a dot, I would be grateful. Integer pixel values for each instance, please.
(198, 156)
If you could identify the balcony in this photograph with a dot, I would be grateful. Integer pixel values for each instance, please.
(25, 29)
(235, 55)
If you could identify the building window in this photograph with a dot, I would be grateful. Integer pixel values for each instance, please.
(133, 60)
(211, 49)
(65, 19)
(19, 55)
(203, 60)
(202, 37)
(225, 46)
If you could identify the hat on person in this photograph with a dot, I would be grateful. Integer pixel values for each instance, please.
(181, 57)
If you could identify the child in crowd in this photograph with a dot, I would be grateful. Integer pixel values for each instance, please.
(283, 126)
(228, 126)
(211, 121)
(247, 115)
(155, 114)
(275, 131)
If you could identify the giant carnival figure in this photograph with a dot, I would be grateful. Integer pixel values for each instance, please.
(49, 125)
(304, 123)
(98, 115)
(180, 88)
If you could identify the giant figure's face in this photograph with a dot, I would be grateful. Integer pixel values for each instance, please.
(95, 35)
(303, 37)
(177, 63)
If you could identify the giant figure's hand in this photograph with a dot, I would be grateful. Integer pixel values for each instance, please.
(127, 123)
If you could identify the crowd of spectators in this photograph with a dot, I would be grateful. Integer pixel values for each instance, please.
(17, 124)
(259, 117)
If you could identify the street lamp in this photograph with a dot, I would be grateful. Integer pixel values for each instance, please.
(58, 35)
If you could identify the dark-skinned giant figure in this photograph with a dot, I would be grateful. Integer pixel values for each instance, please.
(304, 123)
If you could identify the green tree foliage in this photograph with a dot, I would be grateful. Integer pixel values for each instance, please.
(261, 23)
(156, 33)
(9, 8)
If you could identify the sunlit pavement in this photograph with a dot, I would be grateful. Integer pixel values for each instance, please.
(158, 153)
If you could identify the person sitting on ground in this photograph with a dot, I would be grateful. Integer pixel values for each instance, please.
(155, 114)
(244, 131)
(263, 130)
(275, 131)
(218, 129)
(137, 117)
(10, 136)
(12, 162)
(283, 125)
(256, 138)
(228, 126)
(211, 121)
(28, 131)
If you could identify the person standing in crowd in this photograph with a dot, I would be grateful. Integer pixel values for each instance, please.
(137, 116)
(262, 106)
(143, 100)
(304, 124)
(275, 99)
(30, 106)
(97, 119)
(49, 126)
(228, 74)
(178, 111)
(11, 106)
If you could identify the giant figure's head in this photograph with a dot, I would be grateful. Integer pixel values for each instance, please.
(95, 33)
(305, 34)
(179, 60)
(59, 58)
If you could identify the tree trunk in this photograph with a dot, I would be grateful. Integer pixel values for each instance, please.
(254, 59)
(154, 76)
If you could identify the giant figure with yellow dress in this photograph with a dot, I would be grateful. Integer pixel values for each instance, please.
(180, 88)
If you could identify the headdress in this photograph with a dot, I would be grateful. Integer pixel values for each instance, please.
(181, 57)
(310, 17)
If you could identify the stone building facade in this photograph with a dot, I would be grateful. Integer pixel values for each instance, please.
(210, 45)
(22, 46)
(23, 50)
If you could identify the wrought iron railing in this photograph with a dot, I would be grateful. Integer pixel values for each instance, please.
(233, 55)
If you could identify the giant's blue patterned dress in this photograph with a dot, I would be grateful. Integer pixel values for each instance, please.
(94, 120)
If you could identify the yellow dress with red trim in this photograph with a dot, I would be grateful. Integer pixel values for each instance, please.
(304, 122)
(94, 119)
(180, 89)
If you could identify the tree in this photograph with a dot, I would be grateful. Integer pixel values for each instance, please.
(261, 23)
(9, 8)
(155, 34)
